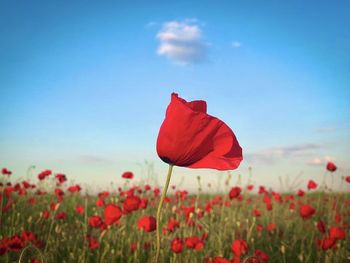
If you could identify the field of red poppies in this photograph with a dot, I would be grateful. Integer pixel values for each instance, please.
(48, 219)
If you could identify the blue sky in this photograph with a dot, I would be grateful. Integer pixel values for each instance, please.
(84, 85)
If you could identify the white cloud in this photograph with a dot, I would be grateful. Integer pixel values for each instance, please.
(236, 44)
(182, 42)
(320, 160)
(151, 24)
(273, 154)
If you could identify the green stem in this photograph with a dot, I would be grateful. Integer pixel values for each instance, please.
(160, 209)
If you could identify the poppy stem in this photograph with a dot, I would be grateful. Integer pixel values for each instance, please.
(170, 170)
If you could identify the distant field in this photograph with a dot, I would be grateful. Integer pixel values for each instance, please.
(50, 220)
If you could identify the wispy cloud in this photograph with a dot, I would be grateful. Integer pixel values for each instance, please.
(151, 24)
(236, 44)
(273, 154)
(320, 160)
(182, 42)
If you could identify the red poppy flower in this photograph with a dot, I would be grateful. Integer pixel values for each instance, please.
(46, 214)
(95, 221)
(250, 187)
(44, 174)
(74, 188)
(79, 209)
(336, 233)
(133, 247)
(331, 167)
(326, 243)
(147, 223)
(301, 193)
(347, 179)
(271, 227)
(93, 243)
(6, 171)
(61, 215)
(131, 203)
(311, 185)
(112, 214)
(61, 178)
(262, 256)
(143, 203)
(173, 224)
(256, 212)
(321, 226)
(306, 211)
(177, 245)
(235, 192)
(194, 242)
(239, 247)
(189, 137)
(100, 202)
(127, 175)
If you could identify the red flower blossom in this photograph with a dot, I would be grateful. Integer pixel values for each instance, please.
(79, 209)
(189, 137)
(173, 224)
(301, 193)
(112, 214)
(235, 192)
(347, 179)
(32, 201)
(306, 211)
(262, 256)
(6, 171)
(326, 243)
(239, 247)
(143, 203)
(95, 221)
(331, 167)
(44, 174)
(262, 190)
(74, 188)
(250, 187)
(177, 245)
(131, 203)
(61, 215)
(271, 227)
(256, 212)
(336, 232)
(133, 247)
(194, 242)
(127, 175)
(100, 202)
(46, 214)
(321, 226)
(93, 243)
(147, 223)
(311, 185)
(54, 206)
(61, 178)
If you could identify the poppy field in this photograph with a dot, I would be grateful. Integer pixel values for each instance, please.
(49, 219)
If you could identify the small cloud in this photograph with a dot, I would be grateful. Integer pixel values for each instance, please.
(271, 155)
(182, 42)
(320, 160)
(236, 44)
(151, 24)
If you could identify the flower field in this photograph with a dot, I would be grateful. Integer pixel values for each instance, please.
(49, 219)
